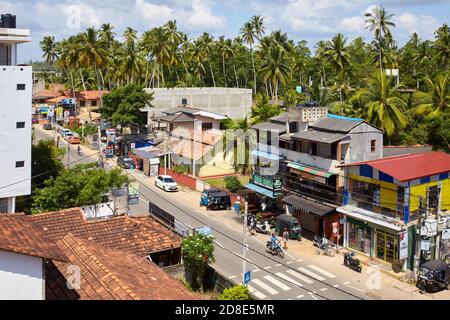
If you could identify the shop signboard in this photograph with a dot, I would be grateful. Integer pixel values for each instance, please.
(445, 234)
(425, 245)
(271, 184)
(403, 245)
(309, 176)
(133, 193)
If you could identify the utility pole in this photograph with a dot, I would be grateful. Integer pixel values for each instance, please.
(244, 244)
(418, 238)
(68, 154)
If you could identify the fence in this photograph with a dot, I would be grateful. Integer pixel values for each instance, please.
(167, 219)
(180, 178)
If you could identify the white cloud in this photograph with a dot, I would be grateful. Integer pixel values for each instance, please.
(424, 25)
(202, 17)
(153, 14)
(353, 24)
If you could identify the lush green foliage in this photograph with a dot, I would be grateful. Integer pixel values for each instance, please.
(232, 184)
(197, 251)
(272, 64)
(238, 292)
(84, 184)
(123, 105)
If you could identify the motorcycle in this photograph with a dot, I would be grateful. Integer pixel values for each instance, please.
(352, 262)
(322, 246)
(263, 228)
(275, 250)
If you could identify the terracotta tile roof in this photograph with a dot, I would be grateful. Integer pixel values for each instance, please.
(20, 235)
(106, 274)
(139, 236)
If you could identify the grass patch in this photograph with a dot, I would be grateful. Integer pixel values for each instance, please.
(220, 182)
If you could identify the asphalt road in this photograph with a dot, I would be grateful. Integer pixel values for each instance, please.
(271, 276)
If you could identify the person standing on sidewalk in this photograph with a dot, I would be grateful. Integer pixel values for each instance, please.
(285, 238)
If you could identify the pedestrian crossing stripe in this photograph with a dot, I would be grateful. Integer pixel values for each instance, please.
(311, 274)
(255, 292)
(277, 283)
(261, 284)
(300, 276)
(316, 268)
(288, 279)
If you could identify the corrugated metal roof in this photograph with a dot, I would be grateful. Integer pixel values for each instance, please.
(319, 136)
(334, 124)
(393, 151)
(270, 126)
(410, 167)
(179, 117)
(309, 205)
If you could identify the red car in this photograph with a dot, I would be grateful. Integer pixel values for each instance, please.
(34, 120)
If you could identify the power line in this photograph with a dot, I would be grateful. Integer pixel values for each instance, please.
(228, 237)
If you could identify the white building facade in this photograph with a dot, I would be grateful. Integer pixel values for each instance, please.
(15, 117)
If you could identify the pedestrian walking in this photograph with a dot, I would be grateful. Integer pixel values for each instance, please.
(285, 238)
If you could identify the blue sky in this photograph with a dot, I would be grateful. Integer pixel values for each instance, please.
(311, 20)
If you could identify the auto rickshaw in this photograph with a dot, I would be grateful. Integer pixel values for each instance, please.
(206, 194)
(219, 201)
(284, 221)
(434, 275)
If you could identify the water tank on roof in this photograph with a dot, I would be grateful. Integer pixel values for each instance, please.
(8, 21)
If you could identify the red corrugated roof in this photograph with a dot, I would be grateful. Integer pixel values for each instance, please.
(412, 166)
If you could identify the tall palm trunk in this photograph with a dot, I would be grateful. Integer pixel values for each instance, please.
(235, 74)
(254, 69)
(224, 71)
(98, 84)
(82, 81)
(212, 74)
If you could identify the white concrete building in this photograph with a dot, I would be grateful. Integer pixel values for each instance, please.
(232, 102)
(15, 117)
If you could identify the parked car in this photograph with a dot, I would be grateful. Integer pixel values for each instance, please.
(47, 126)
(73, 139)
(125, 162)
(166, 183)
(67, 135)
(64, 132)
(34, 120)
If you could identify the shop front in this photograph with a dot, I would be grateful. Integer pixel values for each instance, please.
(315, 218)
(268, 192)
(381, 240)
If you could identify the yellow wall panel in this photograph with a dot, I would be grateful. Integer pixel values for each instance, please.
(445, 198)
(388, 198)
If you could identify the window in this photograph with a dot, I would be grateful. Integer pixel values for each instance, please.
(20, 164)
(20, 86)
(373, 144)
(94, 103)
(82, 103)
(314, 149)
(20, 125)
(207, 126)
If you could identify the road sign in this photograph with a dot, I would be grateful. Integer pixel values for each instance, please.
(247, 277)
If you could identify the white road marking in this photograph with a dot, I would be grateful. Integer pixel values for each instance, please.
(323, 289)
(314, 267)
(300, 276)
(300, 296)
(311, 274)
(264, 286)
(336, 286)
(312, 295)
(258, 294)
(355, 288)
(289, 279)
(346, 282)
(256, 270)
(289, 262)
(299, 260)
(218, 243)
(277, 283)
(232, 277)
(278, 265)
(267, 268)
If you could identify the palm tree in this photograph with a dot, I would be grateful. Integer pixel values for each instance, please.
(198, 56)
(225, 50)
(241, 143)
(206, 43)
(258, 26)
(130, 36)
(437, 100)
(321, 56)
(379, 21)
(384, 106)
(248, 34)
(422, 55)
(262, 111)
(49, 47)
(338, 55)
(442, 45)
(91, 53)
(275, 69)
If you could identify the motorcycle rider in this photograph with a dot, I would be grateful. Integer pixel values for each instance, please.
(274, 240)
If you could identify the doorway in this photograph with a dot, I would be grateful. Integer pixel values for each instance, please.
(386, 247)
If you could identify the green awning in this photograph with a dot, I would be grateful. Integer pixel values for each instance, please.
(310, 170)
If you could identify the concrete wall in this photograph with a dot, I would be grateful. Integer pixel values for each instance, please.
(360, 138)
(232, 102)
(15, 143)
(21, 277)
